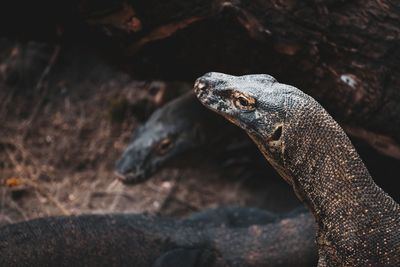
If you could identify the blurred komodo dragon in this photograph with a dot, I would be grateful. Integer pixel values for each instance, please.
(220, 237)
(180, 126)
(358, 223)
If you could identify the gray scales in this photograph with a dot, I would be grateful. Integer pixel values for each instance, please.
(234, 236)
(358, 223)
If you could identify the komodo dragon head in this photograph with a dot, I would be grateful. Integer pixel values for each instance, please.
(257, 104)
(170, 132)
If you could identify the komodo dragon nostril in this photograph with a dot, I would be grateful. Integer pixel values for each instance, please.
(200, 84)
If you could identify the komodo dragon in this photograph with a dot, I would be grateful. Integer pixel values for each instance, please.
(358, 223)
(180, 126)
(226, 239)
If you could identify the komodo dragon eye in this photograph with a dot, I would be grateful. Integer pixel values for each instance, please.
(244, 102)
(164, 145)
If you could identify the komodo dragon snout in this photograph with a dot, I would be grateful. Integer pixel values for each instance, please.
(254, 103)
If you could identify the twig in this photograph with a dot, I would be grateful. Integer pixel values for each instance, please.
(112, 185)
(170, 195)
(5, 218)
(8, 97)
(7, 100)
(24, 153)
(15, 205)
(117, 197)
(88, 197)
(43, 207)
(2, 202)
(104, 194)
(38, 188)
(185, 203)
(39, 85)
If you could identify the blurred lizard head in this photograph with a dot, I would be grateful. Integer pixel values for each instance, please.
(170, 132)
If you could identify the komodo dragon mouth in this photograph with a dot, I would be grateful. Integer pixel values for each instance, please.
(359, 224)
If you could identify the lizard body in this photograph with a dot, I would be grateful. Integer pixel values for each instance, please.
(139, 240)
(358, 223)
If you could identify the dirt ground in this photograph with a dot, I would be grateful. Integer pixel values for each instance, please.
(66, 116)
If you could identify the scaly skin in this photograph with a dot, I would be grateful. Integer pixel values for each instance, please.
(143, 241)
(180, 126)
(358, 223)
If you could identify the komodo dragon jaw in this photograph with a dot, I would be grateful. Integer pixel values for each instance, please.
(359, 224)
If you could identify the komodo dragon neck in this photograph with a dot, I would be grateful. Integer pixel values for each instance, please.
(354, 215)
